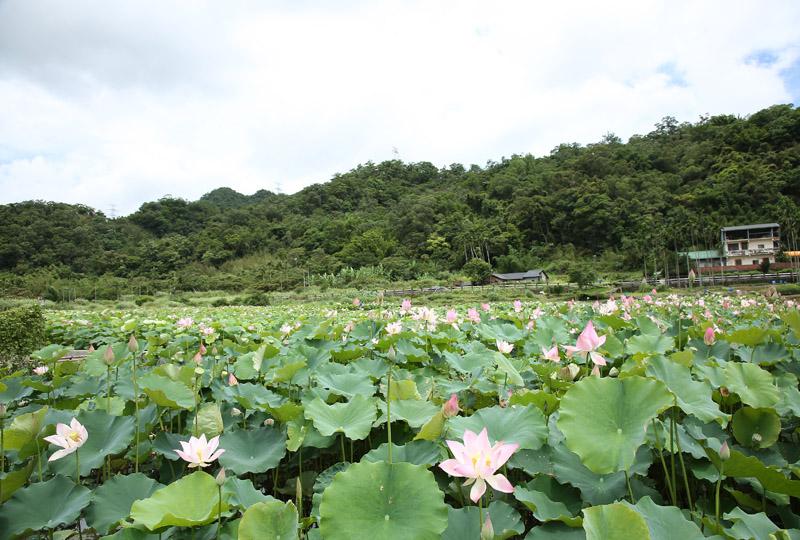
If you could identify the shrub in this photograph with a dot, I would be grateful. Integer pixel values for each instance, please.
(477, 270)
(144, 299)
(21, 332)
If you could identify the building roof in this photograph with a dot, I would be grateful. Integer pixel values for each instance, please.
(530, 274)
(755, 226)
(701, 255)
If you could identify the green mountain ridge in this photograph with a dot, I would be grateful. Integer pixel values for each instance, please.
(629, 205)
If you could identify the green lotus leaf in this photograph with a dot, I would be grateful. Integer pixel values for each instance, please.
(51, 353)
(550, 501)
(43, 505)
(507, 369)
(415, 412)
(747, 526)
(252, 451)
(614, 522)
(23, 432)
(11, 481)
(111, 501)
(404, 389)
(353, 418)
(432, 429)
(108, 435)
(742, 466)
(757, 428)
(666, 522)
(604, 419)
(242, 494)
(166, 392)
(270, 520)
(747, 336)
(649, 344)
(166, 442)
(346, 384)
(255, 396)
(396, 501)
(415, 452)
(754, 385)
(464, 523)
(189, 502)
(524, 425)
(209, 420)
(693, 397)
(555, 531)
(545, 401)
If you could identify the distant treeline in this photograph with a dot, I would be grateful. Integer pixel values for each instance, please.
(620, 205)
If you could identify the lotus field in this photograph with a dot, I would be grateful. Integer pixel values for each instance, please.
(652, 417)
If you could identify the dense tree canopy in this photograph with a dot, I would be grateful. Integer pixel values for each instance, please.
(632, 202)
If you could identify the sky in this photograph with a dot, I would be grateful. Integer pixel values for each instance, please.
(113, 104)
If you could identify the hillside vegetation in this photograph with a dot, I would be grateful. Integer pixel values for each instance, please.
(620, 205)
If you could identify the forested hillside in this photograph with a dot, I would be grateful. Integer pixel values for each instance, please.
(623, 205)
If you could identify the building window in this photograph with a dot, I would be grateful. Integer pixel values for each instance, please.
(755, 262)
(733, 247)
(760, 246)
(738, 262)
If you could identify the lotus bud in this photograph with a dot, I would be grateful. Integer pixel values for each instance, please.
(724, 392)
(487, 529)
(569, 372)
(708, 337)
(108, 355)
(236, 412)
(214, 351)
(450, 408)
(3, 410)
(220, 478)
(269, 422)
(298, 489)
(391, 354)
(91, 348)
(202, 348)
(232, 380)
(724, 452)
(613, 372)
(756, 438)
(198, 358)
(133, 345)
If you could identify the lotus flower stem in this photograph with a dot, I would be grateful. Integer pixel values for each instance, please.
(341, 440)
(219, 509)
(38, 457)
(196, 428)
(672, 453)
(2, 452)
(78, 482)
(716, 497)
(664, 464)
(480, 513)
(685, 477)
(389, 413)
(136, 408)
(108, 389)
(628, 483)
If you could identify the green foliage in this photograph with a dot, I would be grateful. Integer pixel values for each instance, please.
(581, 274)
(22, 331)
(477, 270)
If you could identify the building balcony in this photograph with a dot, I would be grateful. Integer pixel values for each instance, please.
(751, 252)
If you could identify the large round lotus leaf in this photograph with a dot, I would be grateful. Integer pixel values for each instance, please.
(555, 531)
(108, 434)
(11, 481)
(111, 502)
(43, 505)
(378, 500)
(757, 428)
(271, 520)
(464, 523)
(594, 488)
(693, 397)
(414, 411)
(604, 419)
(346, 384)
(242, 494)
(191, 501)
(649, 344)
(614, 522)
(166, 392)
(209, 420)
(353, 418)
(754, 385)
(415, 452)
(524, 425)
(254, 450)
(22, 433)
(666, 522)
(746, 526)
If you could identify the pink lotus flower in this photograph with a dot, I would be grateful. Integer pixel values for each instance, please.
(476, 460)
(68, 437)
(708, 337)
(450, 408)
(504, 346)
(186, 322)
(405, 306)
(587, 345)
(452, 316)
(356, 302)
(198, 452)
(551, 354)
(517, 306)
(485, 307)
(473, 315)
(41, 370)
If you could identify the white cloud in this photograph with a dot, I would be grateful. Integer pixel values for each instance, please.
(122, 102)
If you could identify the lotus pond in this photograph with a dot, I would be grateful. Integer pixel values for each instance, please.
(656, 417)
